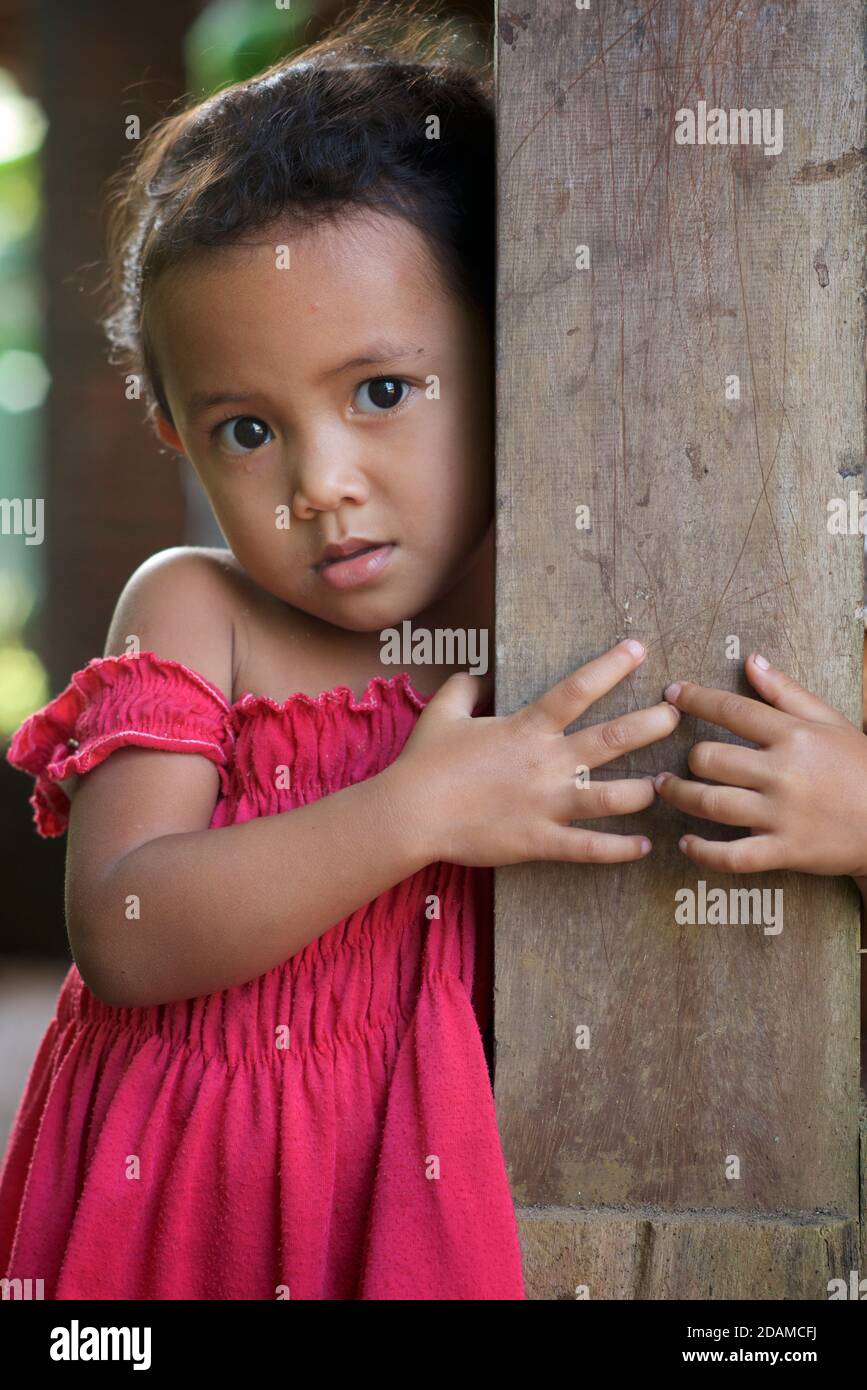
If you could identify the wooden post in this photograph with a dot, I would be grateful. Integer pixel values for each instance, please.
(694, 378)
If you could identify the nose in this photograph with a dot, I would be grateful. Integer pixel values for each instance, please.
(323, 477)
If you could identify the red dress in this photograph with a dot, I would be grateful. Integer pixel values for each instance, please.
(181, 1151)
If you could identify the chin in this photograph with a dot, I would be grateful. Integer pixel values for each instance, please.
(365, 617)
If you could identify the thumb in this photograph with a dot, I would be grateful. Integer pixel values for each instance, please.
(485, 696)
(787, 695)
(464, 693)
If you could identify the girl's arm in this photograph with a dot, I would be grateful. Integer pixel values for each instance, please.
(214, 908)
(161, 908)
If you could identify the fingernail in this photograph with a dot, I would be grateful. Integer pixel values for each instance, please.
(636, 647)
(682, 842)
(660, 778)
(645, 844)
(672, 691)
(762, 662)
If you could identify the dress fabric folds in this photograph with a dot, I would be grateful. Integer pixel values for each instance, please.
(326, 1131)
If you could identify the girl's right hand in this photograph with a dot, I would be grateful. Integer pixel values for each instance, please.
(503, 790)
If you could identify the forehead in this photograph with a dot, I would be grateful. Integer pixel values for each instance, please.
(286, 295)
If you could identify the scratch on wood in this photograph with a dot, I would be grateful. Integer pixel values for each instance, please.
(764, 476)
(830, 168)
(592, 64)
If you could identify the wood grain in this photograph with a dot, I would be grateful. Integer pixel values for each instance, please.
(708, 522)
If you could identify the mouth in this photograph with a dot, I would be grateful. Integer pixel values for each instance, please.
(351, 555)
(348, 571)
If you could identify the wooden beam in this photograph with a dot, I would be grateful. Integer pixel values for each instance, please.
(650, 1254)
(719, 1090)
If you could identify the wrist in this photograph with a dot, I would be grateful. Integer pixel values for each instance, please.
(408, 813)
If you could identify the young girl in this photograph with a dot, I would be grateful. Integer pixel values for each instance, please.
(266, 1075)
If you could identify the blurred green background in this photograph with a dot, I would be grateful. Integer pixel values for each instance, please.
(24, 382)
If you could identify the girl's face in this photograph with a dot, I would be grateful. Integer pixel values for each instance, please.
(345, 394)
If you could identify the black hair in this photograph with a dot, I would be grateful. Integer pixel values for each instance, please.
(385, 113)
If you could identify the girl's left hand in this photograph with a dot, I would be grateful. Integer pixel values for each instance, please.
(803, 792)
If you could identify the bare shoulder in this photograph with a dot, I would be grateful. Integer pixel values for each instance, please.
(180, 603)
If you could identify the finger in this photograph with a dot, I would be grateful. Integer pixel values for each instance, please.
(727, 805)
(614, 798)
(485, 690)
(601, 743)
(752, 854)
(463, 692)
(748, 718)
(594, 846)
(728, 762)
(570, 697)
(786, 694)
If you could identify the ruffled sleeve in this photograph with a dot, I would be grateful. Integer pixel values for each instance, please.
(143, 701)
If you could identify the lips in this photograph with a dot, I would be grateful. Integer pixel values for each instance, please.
(355, 565)
(350, 546)
(362, 550)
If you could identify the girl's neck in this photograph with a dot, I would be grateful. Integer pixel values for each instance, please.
(334, 656)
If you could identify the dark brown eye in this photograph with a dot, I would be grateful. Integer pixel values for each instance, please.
(383, 393)
(243, 434)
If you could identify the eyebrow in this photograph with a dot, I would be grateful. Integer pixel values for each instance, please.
(203, 400)
(373, 356)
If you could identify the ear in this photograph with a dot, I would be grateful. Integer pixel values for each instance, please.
(167, 432)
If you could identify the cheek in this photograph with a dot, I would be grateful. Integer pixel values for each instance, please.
(242, 490)
(248, 518)
(440, 496)
(471, 491)
(428, 498)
